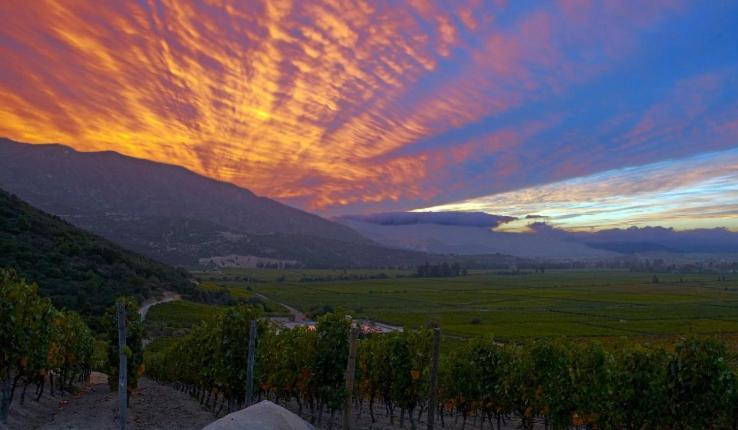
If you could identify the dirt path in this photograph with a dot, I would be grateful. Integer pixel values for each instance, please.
(367, 324)
(153, 406)
(296, 314)
(167, 297)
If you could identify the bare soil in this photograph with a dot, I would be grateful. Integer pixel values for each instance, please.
(153, 406)
(361, 419)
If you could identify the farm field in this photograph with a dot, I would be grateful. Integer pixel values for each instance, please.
(509, 306)
(167, 321)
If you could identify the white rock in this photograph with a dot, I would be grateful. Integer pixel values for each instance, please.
(261, 416)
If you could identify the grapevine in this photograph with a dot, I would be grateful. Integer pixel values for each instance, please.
(38, 343)
(558, 383)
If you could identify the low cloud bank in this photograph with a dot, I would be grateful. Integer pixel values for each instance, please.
(633, 240)
(650, 239)
(464, 219)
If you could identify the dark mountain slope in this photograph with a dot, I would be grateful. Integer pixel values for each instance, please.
(182, 240)
(176, 216)
(77, 269)
(82, 186)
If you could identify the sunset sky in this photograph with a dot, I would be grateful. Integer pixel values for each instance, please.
(591, 114)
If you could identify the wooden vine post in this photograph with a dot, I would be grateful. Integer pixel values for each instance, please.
(250, 365)
(122, 364)
(350, 371)
(433, 386)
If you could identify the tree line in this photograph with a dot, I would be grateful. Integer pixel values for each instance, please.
(557, 382)
(440, 270)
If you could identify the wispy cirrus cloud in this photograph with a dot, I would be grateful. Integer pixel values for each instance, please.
(696, 192)
(365, 106)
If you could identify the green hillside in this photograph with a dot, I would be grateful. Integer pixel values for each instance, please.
(76, 269)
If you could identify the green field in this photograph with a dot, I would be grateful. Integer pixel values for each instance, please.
(561, 303)
(166, 321)
(179, 314)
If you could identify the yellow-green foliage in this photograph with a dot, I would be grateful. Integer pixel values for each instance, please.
(613, 386)
(134, 344)
(36, 338)
(180, 314)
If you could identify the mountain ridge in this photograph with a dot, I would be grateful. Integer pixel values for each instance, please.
(60, 180)
(178, 217)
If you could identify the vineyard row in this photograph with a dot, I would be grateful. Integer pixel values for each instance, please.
(38, 343)
(558, 382)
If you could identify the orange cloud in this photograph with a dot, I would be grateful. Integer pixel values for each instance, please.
(307, 101)
(264, 96)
